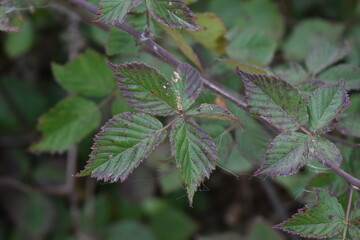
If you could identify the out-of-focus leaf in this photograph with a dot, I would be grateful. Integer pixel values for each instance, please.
(325, 104)
(350, 73)
(119, 42)
(33, 214)
(261, 230)
(221, 236)
(115, 11)
(323, 56)
(212, 111)
(262, 16)
(129, 230)
(21, 94)
(211, 33)
(67, 123)
(294, 74)
(274, 99)
(354, 223)
(170, 181)
(195, 153)
(187, 85)
(174, 14)
(330, 181)
(19, 43)
(183, 45)
(323, 219)
(145, 88)
(307, 34)
(286, 154)
(122, 144)
(354, 162)
(86, 74)
(252, 47)
(170, 223)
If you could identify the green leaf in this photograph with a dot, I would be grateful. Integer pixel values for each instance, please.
(145, 88)
(174, 14)
(187, 86)
(354, 223)
(323, 56)
(212, 32)
(129, 229)
(122, 144)
(212, 111)
(253, 47)
(86, 74)
(294, 73)
(274, 99)
(195, 153)
(325, 104)
(286, 154)
(309, 86)
(307, 34)
(67, 123)
(263, 230)
(324, 151)
(350, 73)
(18, 43)
(119, 42)
(115, 11)
(321, 220)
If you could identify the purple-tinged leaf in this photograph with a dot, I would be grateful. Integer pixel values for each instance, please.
(286, 154)
(274, 99)
(122, 144)
(309, 86)
(187, 85)
(195, 153)
(324, 151)
(212, 111)
(173, 13)
(324, 219)
(115, 11)
(325, 104)
(145, 88)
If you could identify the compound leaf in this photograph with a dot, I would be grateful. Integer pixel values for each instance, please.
(86, 74)
(187, 85)
(325, 104)
(67, 123)
(274, 99)
(212, 111)
(145, 88)
(286, 154)
(323, 56)
(115, 11)
(195, 153)
(122, 144)
(174, 14)
(321, 220)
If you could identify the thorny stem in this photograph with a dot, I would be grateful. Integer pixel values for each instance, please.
(169, 58)
(348, 209)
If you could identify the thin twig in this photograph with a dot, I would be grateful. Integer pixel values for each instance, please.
(348, 209)
(169, 58)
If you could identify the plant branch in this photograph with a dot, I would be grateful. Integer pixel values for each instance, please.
(348, 209)
(169, 58)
